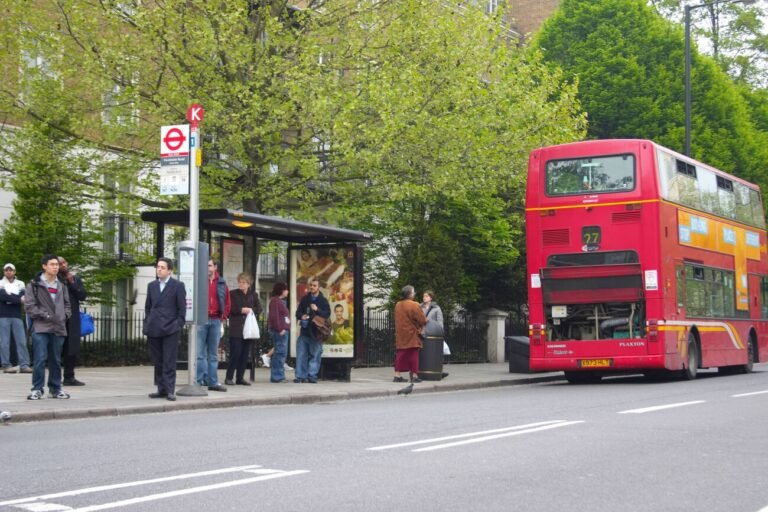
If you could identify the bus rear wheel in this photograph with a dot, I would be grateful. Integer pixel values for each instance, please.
(692, 364)
(747, 368)
(583, 377)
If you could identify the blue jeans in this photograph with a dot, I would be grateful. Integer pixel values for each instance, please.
(8, 327)
(46, 348)
(277, 363)
(308, 355)
(208, 336)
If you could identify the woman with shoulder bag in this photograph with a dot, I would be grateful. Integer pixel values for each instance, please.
(244, 301)
(434, 327)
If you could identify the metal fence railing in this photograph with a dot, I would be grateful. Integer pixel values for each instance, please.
(118, 340)
(465, 334)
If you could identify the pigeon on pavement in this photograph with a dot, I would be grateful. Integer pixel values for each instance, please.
(406, 390)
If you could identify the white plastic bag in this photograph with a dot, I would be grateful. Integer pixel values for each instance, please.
(251, 328)
(446, 349)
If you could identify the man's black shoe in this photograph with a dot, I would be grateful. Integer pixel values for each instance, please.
(171, 397)
(299, 381)
(73, 382)
(158, 395)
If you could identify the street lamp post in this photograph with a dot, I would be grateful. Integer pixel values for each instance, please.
(688, 9)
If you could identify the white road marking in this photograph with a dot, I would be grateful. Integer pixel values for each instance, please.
(41, 504)
(660, 407)
(497, 436)
(461, 436)
(44, 507)
(751, 394)
(191, 490)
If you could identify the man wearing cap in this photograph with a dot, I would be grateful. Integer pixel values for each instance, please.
(11, 299)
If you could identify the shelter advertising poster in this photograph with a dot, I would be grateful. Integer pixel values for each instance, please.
(232, 261)
(335, 269)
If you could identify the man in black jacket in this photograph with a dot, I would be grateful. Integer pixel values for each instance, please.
(164, 314)
(309, 347)
(71, 350)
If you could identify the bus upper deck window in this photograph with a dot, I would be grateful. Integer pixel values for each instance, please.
(598, 174)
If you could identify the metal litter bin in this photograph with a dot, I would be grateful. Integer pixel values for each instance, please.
(518, 351)
(431, 358)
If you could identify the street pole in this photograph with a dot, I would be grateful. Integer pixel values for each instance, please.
(192, 388)
(688, 9)
(687, 150)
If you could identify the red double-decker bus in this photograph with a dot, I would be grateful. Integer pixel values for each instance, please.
(641, 259)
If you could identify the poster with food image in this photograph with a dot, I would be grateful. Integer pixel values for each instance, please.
(334, 268)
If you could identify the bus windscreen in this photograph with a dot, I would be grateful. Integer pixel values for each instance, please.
(615, 173)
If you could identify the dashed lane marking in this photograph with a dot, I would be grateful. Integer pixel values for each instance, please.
(661, 407)
(476, 437)
(750, 394)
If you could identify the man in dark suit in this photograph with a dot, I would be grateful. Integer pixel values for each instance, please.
(164, 314)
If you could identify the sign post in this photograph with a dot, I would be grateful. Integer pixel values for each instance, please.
(195, 116)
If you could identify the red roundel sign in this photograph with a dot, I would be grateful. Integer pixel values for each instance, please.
(174, 140)
(195, 114)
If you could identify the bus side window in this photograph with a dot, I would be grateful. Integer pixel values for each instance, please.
(764, 297)
(680, 277)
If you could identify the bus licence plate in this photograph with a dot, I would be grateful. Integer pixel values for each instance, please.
(595, 363)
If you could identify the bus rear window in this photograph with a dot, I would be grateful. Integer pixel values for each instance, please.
(593, 175)
(592, 259)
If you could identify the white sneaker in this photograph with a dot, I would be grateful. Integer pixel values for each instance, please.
(286, 367)
(265, 360)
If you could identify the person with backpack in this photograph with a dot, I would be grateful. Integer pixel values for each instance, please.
(309, 346)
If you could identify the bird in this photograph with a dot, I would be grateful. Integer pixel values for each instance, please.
(406, 390)
(5, 417)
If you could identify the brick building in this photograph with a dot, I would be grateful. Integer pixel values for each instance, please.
(526, 16)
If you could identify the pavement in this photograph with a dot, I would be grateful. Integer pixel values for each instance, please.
(118, 391)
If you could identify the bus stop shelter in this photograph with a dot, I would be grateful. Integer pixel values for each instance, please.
(333, 255)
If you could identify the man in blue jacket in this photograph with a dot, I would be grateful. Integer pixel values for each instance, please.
(309, 347)
(164, 314)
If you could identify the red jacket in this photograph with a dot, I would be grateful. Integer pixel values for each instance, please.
(218, 293)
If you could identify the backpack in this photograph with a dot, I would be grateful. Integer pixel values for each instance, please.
(322, 328)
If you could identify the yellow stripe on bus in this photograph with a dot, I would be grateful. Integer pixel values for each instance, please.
(726, 327)
(590, 205)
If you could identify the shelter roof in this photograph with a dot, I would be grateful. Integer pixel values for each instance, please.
(259, 226)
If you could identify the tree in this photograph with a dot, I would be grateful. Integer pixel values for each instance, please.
(733, 32)
(628, 62)
(370, 114)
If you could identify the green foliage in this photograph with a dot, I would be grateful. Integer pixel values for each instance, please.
(629, 65)
(410, 119)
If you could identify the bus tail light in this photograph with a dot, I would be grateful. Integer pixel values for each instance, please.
(653, 330)
(536, 333)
